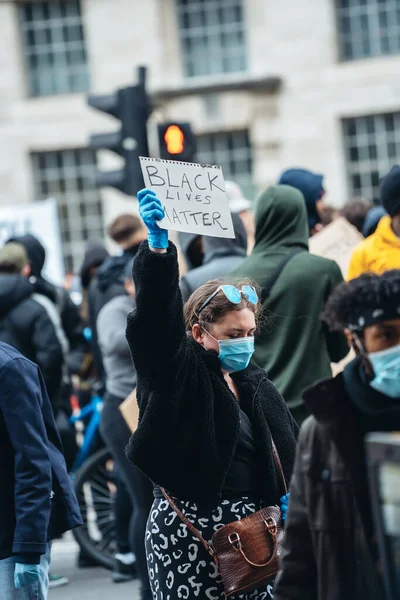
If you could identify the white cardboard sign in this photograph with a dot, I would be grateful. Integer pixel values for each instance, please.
(337, 242)
(41, 220)
(193, 196)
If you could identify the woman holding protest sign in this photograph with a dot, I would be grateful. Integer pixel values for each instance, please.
(214, 434)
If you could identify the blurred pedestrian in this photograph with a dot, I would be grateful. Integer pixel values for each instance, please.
(71, 321)
(95, 255)
(69, 327)
(37, 500)
(296, 285)
(330, 550)
(310, 185)
(380, 252)
(221, 255)
(355, 212)
(120, 382)
(24, 322)
(191, 245)
(208, 415)
(127, 232)
(242, 206)
(372, 220)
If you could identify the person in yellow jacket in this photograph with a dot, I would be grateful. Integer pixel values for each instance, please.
(381, 251)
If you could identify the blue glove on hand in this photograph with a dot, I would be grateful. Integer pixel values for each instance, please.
(25, 575)
(151, 211)
(284, 506)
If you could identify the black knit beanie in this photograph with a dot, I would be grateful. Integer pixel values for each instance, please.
(390, 191)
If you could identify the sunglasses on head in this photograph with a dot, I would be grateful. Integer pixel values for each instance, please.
(233, 294)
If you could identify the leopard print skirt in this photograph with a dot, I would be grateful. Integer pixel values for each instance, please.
(179, 566)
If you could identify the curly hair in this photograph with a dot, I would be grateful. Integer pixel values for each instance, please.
(219, 306)
(365, 292)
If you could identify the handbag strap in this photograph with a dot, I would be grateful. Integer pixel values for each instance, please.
(278, 465)
(188, 524)
(273, 278)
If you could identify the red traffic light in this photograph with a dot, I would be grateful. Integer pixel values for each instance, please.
(177, 141)
(174, 139)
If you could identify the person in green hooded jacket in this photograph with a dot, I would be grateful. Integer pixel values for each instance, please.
(294, 346)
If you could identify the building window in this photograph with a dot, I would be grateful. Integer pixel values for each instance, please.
(68, 176)
(54, 47)
(372, 146)
(212, 36)
(368, 28)
(232, 151)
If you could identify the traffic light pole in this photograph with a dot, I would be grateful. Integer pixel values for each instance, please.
(131, 106)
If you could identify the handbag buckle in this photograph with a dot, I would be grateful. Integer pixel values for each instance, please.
(270, 524)
(234, 539)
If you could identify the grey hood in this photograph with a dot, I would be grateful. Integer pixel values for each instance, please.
(214, 246)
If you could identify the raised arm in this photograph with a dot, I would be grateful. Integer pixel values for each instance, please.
(156, 329)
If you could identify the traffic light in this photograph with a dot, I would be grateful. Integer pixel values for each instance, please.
(177, 141)
(130, 105)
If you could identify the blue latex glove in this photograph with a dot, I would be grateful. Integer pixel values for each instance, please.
(151, 210)
(284, 506)
(25, 575)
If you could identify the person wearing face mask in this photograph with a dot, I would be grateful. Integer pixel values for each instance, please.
(330, 550)
(208, 415)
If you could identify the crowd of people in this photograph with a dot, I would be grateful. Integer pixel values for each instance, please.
(227, 347)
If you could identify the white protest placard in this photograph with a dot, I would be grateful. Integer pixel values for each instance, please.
(337, 242)
(193, 196)
(41, 220)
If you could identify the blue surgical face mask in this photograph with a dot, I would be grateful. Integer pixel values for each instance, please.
(234, 355)
(386, 365)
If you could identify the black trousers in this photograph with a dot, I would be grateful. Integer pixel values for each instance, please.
(116, 435)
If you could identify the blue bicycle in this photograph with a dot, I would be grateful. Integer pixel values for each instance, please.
(94, 487)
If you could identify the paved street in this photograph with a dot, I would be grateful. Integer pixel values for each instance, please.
(86, 584)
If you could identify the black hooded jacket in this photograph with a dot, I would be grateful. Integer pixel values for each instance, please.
(25, 325)
(70, 319)
(221, 255)
(330, 551)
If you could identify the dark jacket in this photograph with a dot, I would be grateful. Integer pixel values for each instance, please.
(221, 255)
(189, 419)
(70, 318)
(31, 463)
(191, 248)
(106, 285)
(293, 331)
(326, 554)
(95, 255)
(26, 325)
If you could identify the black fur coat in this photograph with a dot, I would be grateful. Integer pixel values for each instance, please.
(189, 419)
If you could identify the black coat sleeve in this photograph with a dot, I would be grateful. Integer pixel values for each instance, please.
(297, 577)
(156, 328)
(21, 395)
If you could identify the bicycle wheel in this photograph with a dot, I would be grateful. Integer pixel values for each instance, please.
(95, 490)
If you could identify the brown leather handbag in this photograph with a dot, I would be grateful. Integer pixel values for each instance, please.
(246, 551)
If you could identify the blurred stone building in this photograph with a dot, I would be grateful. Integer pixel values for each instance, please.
(266, 85)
